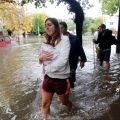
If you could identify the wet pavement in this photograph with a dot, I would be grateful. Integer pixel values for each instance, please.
(95, 96)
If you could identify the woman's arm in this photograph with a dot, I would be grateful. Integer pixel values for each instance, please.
(45, 56)
(44, 53)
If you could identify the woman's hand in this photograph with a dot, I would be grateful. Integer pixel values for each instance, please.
(46, 56)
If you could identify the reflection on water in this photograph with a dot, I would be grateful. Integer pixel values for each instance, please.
(96, 95)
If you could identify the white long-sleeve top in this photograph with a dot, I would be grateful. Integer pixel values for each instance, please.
(59, 67)
(48, 48)
(95, 37)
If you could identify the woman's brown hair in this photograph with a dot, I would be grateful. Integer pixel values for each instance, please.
(56, 37)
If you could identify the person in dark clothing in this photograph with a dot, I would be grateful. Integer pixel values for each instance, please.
(76, 51)
(105, 40)
(9, 32)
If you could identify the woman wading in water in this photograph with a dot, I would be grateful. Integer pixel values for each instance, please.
(57, 70)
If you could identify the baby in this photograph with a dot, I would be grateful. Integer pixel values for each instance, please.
(48, 48)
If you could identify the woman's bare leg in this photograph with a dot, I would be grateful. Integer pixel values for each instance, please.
(46, 102)
(65, 101)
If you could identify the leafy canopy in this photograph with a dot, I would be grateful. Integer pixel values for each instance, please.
(110, 6)
(13, 17)
(38, 22)
(42, 3)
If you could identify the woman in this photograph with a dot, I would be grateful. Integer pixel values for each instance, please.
(57, 71)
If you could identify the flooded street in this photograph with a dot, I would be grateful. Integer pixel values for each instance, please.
(95, 97)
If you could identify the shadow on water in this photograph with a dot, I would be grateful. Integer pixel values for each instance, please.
(95, 96)
(113, 113)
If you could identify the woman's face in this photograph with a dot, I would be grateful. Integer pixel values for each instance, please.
(50, 28)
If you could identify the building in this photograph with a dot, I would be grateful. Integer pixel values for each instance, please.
(112, 22)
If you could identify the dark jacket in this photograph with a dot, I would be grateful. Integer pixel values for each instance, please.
(76, 51)
(105, 39)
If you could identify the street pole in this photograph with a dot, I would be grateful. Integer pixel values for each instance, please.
(38, 29)
(118, 35)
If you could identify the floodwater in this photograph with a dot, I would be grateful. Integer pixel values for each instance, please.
(95, 96)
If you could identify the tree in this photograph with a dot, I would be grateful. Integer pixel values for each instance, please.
(38, 22)
(26, 25)
(110, 7)
(8, 14)
(86, 24)
(13, 17)
(42, 3)
(95, 24)
(71, 25)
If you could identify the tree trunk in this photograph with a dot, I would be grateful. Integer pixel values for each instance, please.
(118, 35)
(76, 8)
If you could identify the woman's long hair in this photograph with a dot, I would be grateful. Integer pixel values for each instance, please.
(53, 40)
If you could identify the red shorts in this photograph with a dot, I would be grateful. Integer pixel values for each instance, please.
(55, 85)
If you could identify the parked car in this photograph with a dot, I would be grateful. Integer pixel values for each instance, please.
(4, 40)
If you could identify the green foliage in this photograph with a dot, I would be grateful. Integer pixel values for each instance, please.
(110, 6)
(95, 24)
(71, 25)
(38, 22)
(86, 24)
(90, 24)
